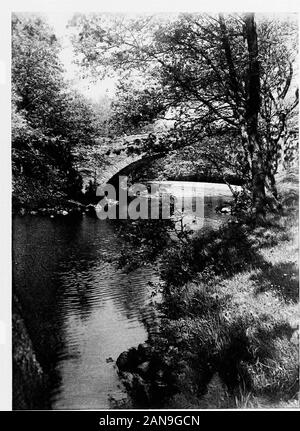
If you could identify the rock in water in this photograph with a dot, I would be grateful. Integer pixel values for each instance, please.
(141, 390)
(127, 379)
(144, 351)
(143, 368)
(129, 360)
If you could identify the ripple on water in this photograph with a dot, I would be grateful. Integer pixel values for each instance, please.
(84, 305)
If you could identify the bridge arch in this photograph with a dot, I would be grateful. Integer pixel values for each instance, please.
(124, 167)
(133, 165)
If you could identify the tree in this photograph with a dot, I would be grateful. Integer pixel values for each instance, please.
(137, 104)
(49, 119)
(223, 77)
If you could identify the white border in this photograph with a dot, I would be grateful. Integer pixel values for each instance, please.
(5, 215)
(5, 171)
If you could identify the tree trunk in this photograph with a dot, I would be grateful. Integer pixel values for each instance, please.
(258, 183)
(272, 196)
(252, 110)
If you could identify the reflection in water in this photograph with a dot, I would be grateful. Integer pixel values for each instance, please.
(109, 326)
(79, 308)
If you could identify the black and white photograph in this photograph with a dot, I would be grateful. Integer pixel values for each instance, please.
(154, 210)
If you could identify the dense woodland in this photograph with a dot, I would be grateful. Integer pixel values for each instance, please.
(49, 119)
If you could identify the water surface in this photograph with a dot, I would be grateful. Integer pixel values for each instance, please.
(81, 311)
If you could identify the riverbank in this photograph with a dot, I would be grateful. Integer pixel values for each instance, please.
(217, 327)
(31, 196)
(29, 379)
(229, 335)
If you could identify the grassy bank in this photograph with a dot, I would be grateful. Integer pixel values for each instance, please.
(229, 335)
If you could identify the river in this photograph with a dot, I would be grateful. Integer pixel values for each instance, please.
(80, 309)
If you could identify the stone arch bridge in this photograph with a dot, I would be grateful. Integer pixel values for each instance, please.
(102, 164)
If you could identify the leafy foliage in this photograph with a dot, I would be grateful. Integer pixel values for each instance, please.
(48, 119)
(210, 76)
